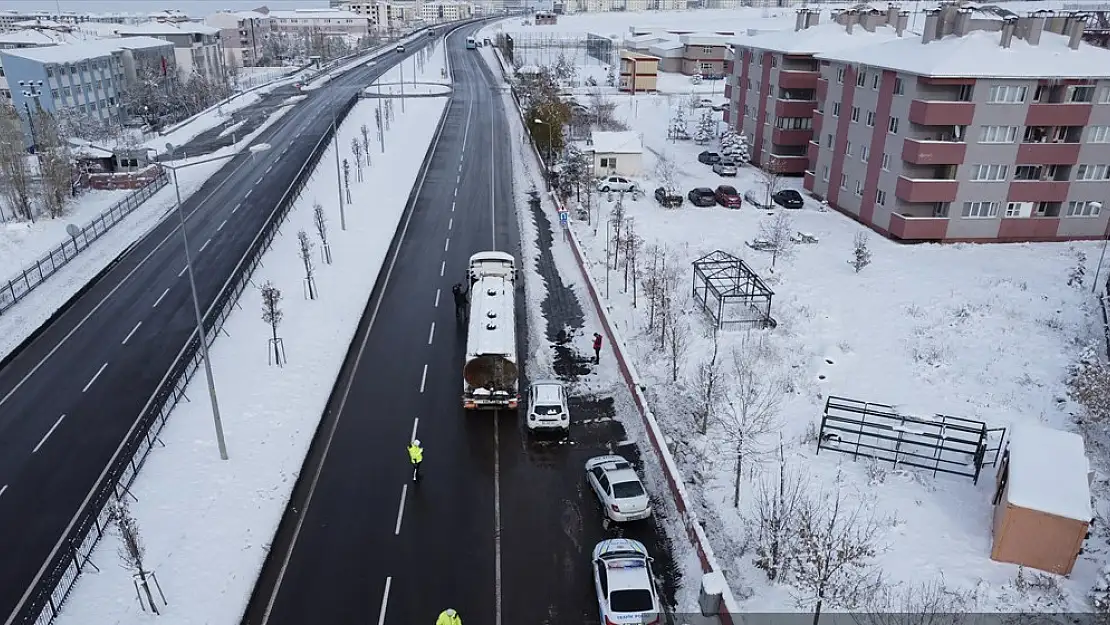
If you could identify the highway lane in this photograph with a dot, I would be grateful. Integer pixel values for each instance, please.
(99, 361)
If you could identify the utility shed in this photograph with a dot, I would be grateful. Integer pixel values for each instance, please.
(1042, 500)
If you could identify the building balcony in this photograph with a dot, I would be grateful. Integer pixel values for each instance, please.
(918, 228)
(795, 108)
(924, 152)
(797, 79)
(790, 164)
(1048, 154)
(782, 136)
(938, 113)
(1062, 114)
(808, 180)
(812, 150)
(1037, 191)
(926, 190)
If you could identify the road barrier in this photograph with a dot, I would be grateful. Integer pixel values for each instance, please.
(728, 606)
(43, 601)
(19, 286)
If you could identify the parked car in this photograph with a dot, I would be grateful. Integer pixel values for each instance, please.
(724, 167)
(755, 198)
(721, 107)
(788, 198)
(625, 583)
(547, 406)
(727, 196)
(667, 199)
(618, 488)
(708, 157)
(400, 48)
(616, 183)
(702, 196)
(704, 103)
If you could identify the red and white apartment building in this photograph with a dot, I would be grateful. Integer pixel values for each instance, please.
(986, 126)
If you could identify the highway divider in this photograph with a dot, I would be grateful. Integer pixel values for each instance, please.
(32, 276)
(694, 531)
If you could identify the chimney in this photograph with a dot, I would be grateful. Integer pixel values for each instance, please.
(932, 22)
(868, 19)
(963, 22)
(1075, 37)
(1056, 24)
(1008, 27)
(813, 18)
(1036, 27)
(902, 22)
(891, 13)
(800, 20)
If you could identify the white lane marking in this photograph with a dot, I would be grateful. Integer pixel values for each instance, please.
(442, 267)
(267, 171)
(259, 181)
(431, 333)
(249, 191)
(452, 206)
(385, 600)
(95, 376)
(401, 510)
(423, 377)
(447, 244)
(204, 246)
(458, 179)
(3, 488)
(415, 424)
(456, 192)
(183, 270)
(496, 520)
(47, 435)
(437, 298)
(128, 337)
(236, 208)
(221, 226)
(159, 300)
(450, 222)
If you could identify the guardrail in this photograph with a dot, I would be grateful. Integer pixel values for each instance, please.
(698, 538)
(32, 276)
(43, 602)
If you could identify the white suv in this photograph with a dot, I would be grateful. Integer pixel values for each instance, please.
(547, 406)
(616, 183)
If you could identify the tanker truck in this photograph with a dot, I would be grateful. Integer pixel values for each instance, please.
(490, 371)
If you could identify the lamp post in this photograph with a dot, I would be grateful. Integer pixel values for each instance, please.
(217, 422)
(1097, 206)
(32, 89)
(549, 147)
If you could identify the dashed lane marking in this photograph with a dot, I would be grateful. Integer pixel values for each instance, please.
(221, 226)
(183, 270)
(415, 424)
(133, 330)
(437, 299)
(2, 489)
(159, 300)
(236, 208)
(205, 245)
(423, 378)
(46, 436)
(447, 244)
(431, 333)
(249, 191)
(385, 600)
(442, 268)
(95, 376)
(450, 222)
(401, 510)
(259, 181)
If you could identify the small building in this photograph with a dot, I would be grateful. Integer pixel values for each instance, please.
(704, 55)
(619, 153)
(1042, 500)
(546, 18)
(670, 55)
(639, 72)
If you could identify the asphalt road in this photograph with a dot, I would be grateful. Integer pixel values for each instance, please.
(69, 397)
(501, 526)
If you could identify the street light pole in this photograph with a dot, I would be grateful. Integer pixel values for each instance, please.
(338, 176)
(401, 68)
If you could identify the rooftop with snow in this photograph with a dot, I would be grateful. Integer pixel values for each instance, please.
(74, 52)
(1049, 472)
(620, 142)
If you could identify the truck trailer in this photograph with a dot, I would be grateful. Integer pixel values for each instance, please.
(490, 372)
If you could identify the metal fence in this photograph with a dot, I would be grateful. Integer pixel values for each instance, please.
(19, 286)
(67, 563)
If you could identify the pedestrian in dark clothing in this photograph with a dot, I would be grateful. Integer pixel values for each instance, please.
(597, 348)
(460, 300)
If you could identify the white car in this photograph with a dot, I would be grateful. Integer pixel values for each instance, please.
(547, 406)
(400, 48)
(618, 488)
(616, 183)
(625, 584)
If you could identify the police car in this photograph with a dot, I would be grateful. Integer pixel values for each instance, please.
(619, 489)
(625, 583)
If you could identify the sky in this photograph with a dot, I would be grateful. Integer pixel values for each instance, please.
(197, 8)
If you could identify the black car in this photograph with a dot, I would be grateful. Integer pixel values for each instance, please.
(788, 198)
(702, 196)
(709, 158)
(667, 199)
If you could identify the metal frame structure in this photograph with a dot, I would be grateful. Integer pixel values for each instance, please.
(730, 292)
(940, 443)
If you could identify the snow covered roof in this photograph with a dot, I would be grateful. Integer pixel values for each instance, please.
(84, 149)
(75, 52)
(622, 142)
(703, 40)
(648, 38)
(979, 55)
(167, 28)
(39, 23)
(1048, 472)
(316, 14)
(33, 37)
(667, 45)
(825, 39)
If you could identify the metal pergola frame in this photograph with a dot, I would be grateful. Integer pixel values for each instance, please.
(723, 283)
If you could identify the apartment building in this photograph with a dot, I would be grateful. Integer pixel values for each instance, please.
(703, 54)
(32, 34)
(9, 20)
(328, 22)
(444, 11)
(197, 47)
(243, 34)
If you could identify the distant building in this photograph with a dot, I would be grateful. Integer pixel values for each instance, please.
(638, 72)
(326, 22)
(243, 34)
(33, 34)
(445, 11)
(544, 18)
(616, 153)
(196, 46)
(9, 19)
(704, 55)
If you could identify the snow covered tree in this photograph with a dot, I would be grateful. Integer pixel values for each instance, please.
(707, 127)
(365, 131)
(320, 220)
(776, 231)
(15, 170)
(677, 127)
(610, 77)
(735, 147)
(771, 177)
(709, 380)
(754, 395)
(1089, 386)
(918, 603)
(272, 314)
(1100, 594)
(304, 250)
(132, 550)
(861, 256)
(778, 502)
(1079, 271)
(666, 170)
(356, 151)
(55, 166)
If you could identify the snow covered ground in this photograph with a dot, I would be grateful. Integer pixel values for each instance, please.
(26, 317)
(22, 243)
(200, 515)
(251, 77)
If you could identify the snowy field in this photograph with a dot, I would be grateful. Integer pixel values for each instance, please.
(22, 243)
(251, 77)
(985, 332)
(199, 514)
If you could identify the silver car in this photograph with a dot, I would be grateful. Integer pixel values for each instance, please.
(547, 407)
(724, 167)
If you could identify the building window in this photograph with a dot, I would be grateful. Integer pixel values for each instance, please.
(870, 119)
(1084, 93)
(880, 197)
(861, 79)
(794, 123)
(1103, 95)
(1007, 94)
(1099, 134)
(774, 57)
(875, 81)
(864, 153)
(1084, 209)
(1092, 172)
(829, 139)
(840, 75)
(899, 86)
(998, 134)
(980, 210)
(989, 173)
(855, 113)
(859, 189)
(848, 149)
(836, 109)
(892, 126)
(886, 162)
(608, 163)
(1019, 209)
(844, 182)
(825, 174)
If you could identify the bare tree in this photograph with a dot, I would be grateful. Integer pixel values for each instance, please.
(1089, 386)
(777, 231)
(920, 603)
(775, 517)
(356, 151)
(771, 177)
(272, 314)
(15, 172)
(652, 282)
(669, 292)
(861, 256)
(320, 220)
(709, 380)
(754, 395)
(347, 179)
(132, 551)
(833, 558)
(616, 237)
(678, 343)
(666, 170)
(365, 131)
(602, 112)
(631, 244)
(55, 168)
(304, 246)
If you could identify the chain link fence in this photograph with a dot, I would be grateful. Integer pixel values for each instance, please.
(20, 285)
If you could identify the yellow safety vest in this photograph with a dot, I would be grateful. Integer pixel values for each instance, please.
(416, 454)
(446, 619)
